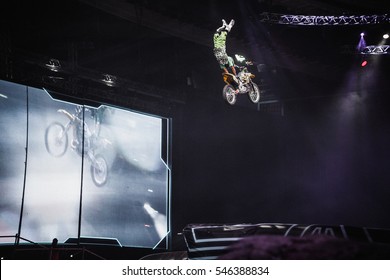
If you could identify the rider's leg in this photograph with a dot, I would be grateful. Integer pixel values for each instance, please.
(92, 158)
(234, 70)
(235, 74)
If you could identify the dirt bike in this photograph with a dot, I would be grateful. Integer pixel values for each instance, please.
(83, 142)
(240, 84)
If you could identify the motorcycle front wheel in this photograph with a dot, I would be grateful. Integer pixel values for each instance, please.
(254, 93)
(99, 171)
(229, 94)
(56, 139)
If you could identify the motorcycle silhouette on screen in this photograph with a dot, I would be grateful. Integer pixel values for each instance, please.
(83, 141)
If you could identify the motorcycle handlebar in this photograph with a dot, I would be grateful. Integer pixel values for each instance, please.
(244, 66)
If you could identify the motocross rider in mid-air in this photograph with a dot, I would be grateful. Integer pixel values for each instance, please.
(225, 62)
(82, 133)
(236, 82)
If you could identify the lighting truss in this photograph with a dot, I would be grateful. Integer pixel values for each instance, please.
(324, 20)
(381, 49)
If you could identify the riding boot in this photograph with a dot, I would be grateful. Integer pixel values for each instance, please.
(223, 27)
(229, 26)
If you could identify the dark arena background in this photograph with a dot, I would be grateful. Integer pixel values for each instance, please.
(156, 164)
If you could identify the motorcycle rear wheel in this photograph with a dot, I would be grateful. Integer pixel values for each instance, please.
(229, 94)
(254, 93)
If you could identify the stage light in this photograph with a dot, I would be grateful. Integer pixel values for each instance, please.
(364, 63)
(109, 80)
(386, 36)
(53, 65)
(362, 43)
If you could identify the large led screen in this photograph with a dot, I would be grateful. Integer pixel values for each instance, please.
(125, 179)
(13, 129)
(92, 172)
